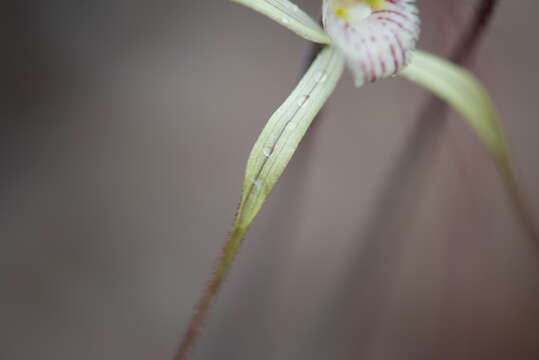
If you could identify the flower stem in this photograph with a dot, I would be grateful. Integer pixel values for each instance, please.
(197, 321)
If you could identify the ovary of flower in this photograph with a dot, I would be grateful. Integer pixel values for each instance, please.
(376, 37)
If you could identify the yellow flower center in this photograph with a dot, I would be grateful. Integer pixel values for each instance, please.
(354, 10)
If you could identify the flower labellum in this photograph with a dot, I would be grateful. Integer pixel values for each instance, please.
(376, 37)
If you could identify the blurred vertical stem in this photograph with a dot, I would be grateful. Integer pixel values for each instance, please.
(501, 157)
(463, 91)
(471, 36)
(503, 162)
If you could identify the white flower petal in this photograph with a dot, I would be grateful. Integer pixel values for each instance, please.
(376, 37)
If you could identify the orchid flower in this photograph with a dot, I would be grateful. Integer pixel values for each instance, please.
(375, 39)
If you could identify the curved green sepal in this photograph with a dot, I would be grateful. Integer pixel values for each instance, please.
(290, 16)
(284, 131)
(464, 92)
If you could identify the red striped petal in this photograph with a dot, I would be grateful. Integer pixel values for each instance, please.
(376, 42)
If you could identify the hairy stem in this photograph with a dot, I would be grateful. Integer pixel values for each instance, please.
(227, 255)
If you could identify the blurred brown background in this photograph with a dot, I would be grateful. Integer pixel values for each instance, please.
(125, 127)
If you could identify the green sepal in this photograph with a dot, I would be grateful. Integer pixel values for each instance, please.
(464, 92)
(284, 131)
(289, 15)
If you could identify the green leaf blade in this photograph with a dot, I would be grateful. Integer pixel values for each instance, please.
(287, 14)
(284, 131)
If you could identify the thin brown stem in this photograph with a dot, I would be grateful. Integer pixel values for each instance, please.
(227, 255)
(507, 171)
(470, 38)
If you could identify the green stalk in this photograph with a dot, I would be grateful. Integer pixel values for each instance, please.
(225, 260)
